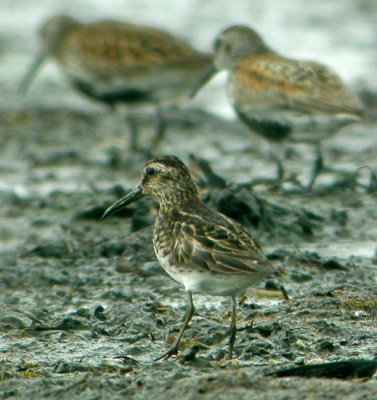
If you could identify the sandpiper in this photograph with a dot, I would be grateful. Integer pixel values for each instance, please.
(120, 63)
(198, 247)
(278, 97)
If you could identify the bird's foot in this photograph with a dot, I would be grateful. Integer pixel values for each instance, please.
(173, 351)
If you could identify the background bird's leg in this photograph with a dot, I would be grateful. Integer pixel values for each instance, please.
(276, 152)
(133, 130)
(190, 309)
(232, 329)
(280, 172)
(318, 166)
(159, 126)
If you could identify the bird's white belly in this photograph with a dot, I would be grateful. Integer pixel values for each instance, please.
(214, 284)
(205, 282)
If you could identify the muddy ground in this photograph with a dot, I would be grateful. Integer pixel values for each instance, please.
(85, 306)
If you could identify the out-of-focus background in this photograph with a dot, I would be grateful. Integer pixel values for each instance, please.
(339, 33)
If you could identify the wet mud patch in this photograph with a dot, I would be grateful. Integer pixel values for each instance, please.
(86, 307)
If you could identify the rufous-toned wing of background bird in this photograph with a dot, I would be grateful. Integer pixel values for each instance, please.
(269, 80)
(130, 63)
(120, 62)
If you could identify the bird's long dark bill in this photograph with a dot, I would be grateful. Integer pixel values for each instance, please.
(123, 202)
(206, 77)
(31, 73)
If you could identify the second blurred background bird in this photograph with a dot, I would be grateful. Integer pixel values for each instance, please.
(121, 63)
(278, 97)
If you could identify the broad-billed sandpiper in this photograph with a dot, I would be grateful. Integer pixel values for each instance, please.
(200, 248)
(120, 63)
(278, 97)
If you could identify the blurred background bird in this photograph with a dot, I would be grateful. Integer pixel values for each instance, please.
(121, 63)
(281, 98)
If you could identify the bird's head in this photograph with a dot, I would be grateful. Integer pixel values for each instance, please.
(54, 30)
(51, 34)
(234, 44)
(167, 178)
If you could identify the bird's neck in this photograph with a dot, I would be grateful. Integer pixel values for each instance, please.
(176, 199)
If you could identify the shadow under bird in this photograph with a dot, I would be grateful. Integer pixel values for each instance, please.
(201, 249)
(278, 97)
(120, 63)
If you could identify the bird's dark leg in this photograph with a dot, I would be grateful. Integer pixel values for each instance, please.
(232, 329)
(275, 155)
(279, 169)
(133, 130)
(190, 309)
(159, 128)
(284, 293)
(318, 167)
(277, 181)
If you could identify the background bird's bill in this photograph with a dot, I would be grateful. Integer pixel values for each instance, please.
(124, 201)
(31, 73)
(207, 76)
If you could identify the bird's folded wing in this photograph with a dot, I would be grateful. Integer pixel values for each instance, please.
(304, 85)
(129, 49)
(219, 250)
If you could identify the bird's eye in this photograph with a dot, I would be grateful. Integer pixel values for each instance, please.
(150, 171)
(227, 48)
(217, 44)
